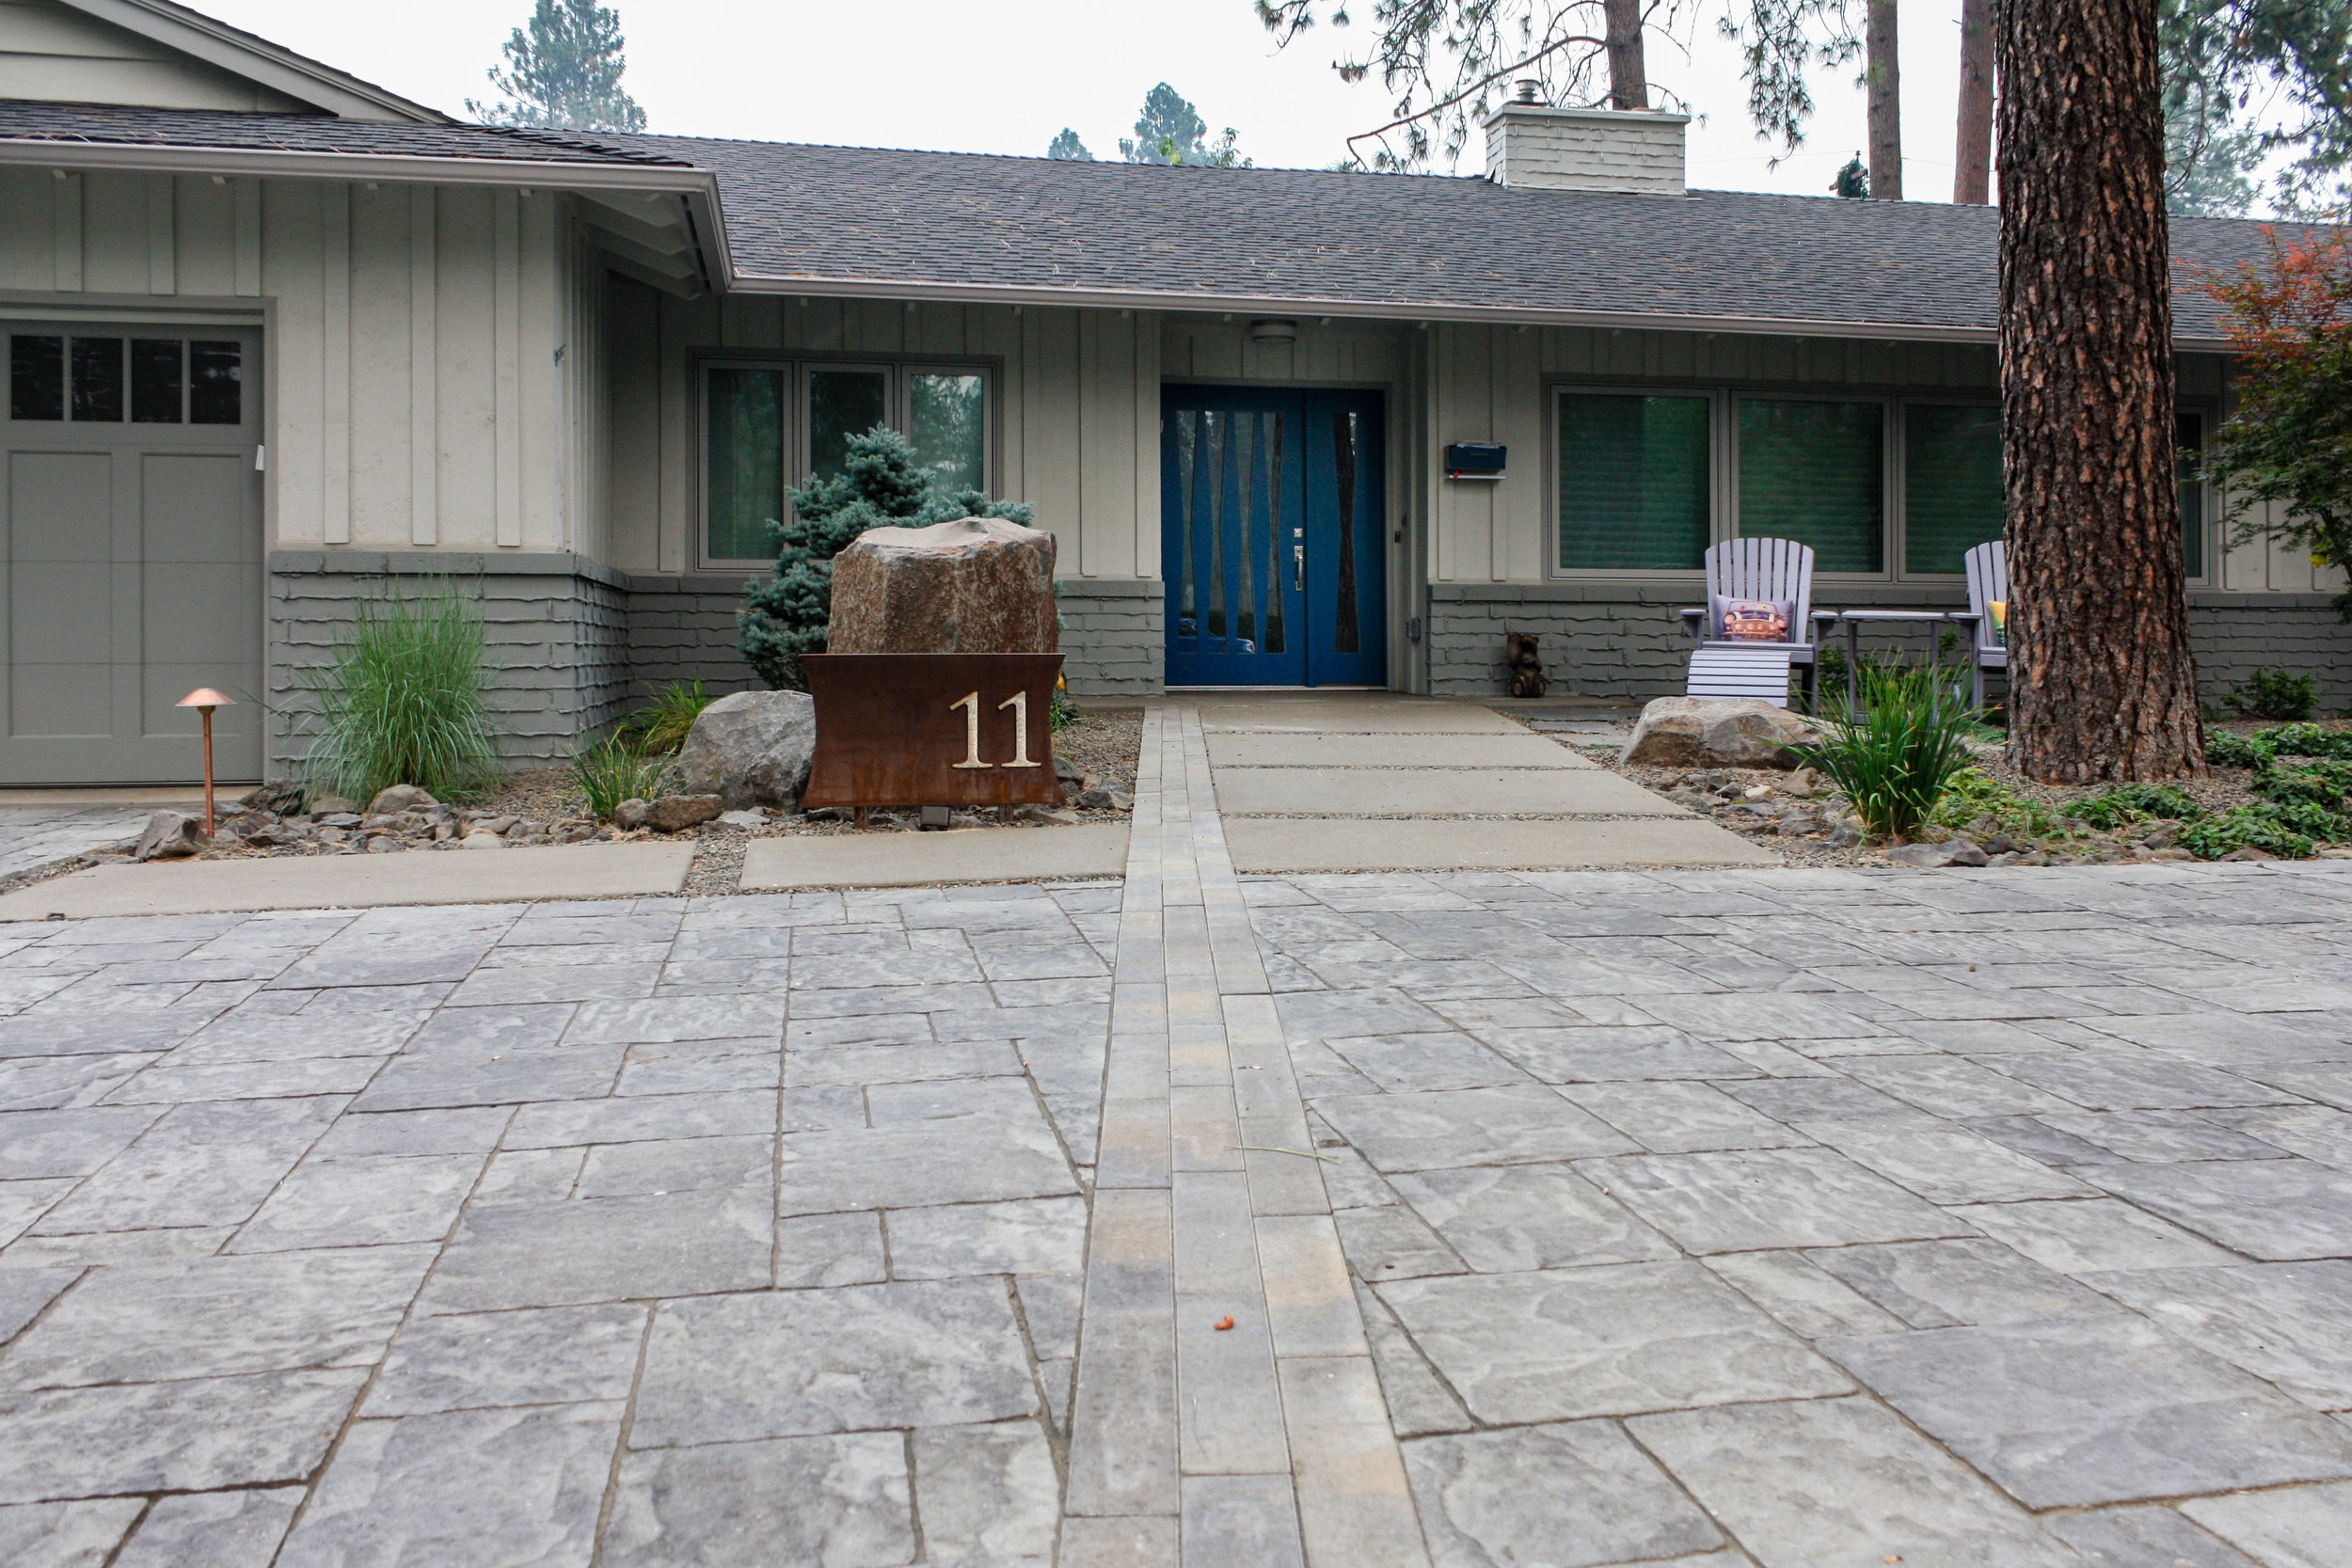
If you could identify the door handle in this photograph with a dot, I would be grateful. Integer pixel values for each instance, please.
(1298, 568)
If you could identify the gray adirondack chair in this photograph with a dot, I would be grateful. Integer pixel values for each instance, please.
(1988, 581)
(1754, 569)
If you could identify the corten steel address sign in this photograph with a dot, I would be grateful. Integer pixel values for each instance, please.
(933, 729)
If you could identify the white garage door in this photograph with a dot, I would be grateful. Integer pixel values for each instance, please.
(130, 551)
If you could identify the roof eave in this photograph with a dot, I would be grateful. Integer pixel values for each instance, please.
(699, 187)
(1307, 305)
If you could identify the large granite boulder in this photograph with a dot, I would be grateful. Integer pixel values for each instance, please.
(1718, 732)
(752, 749)
(978, 585)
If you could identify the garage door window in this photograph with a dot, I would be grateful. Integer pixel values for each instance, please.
(143, 380)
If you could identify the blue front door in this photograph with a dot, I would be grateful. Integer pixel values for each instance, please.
(1272, 517)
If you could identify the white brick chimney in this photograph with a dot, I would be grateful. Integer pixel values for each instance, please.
(1536, 147)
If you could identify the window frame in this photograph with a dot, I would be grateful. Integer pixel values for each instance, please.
(2207, 414)
(898, 371)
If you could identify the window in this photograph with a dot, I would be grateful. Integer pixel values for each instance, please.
(771, 424)
(2189, 443)
(145, 380)
(1634, 481)
(1813, 471)
(1951, 485)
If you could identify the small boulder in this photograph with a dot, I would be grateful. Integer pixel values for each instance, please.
(1057, 815)
(750, 749)
(1103, 797)
(630, 815)
(1931, 857)
(2247, 852)
(745, 819)
(279, 797)
(169, 836)
(1068, 772)
(481, 839)
(977, 585)
(384, 844)
(672, 813)
(327, 805)
(399, 798)
(1727, 732)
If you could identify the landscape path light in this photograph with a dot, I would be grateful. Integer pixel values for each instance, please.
(205, 699)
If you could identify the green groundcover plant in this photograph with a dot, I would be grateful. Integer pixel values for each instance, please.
(660, 727)
(1896, 758)
(2132, 802)
(615, 769)
(404, 698)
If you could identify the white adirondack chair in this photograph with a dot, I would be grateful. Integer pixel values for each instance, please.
(1988, 583)
(1754, 569)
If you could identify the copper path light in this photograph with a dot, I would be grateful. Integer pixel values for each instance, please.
(205, 699)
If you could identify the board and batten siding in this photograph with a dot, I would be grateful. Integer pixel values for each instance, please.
(58, 56)
(433, 361)
(1076, 411)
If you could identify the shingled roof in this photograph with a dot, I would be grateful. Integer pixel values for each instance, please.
(111, 123)
(1394, 244)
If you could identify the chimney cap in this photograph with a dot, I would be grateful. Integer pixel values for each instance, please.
(1529, 90)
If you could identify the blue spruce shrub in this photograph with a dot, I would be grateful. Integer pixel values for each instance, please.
(880, 486)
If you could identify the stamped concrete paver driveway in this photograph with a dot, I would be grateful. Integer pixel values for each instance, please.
(1781, 1218)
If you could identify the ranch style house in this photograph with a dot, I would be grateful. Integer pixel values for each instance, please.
(277, 336)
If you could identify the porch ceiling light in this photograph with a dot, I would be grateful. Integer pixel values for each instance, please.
(1273, 331)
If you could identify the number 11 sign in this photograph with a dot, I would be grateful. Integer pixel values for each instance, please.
(933, 729)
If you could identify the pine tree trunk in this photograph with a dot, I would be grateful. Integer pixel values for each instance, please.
(1629, 76)
(2101, 683)
(1886, 117)
(1972, 178)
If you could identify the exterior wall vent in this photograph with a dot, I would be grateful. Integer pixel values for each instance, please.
(1536, 147)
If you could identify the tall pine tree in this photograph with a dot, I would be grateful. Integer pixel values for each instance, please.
(880, 486)
(563, 71)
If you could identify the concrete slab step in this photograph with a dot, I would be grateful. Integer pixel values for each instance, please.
(359, 881)
(917, 860)
(1434, 792)
(1250, 748)
(1344, 844)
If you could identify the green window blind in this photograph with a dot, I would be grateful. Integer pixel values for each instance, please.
(2188, 442)
(1951, 485)
(1633, 483)
(1815, 472)
(745, 410)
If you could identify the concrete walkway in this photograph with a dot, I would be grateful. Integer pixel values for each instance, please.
(1380, 781)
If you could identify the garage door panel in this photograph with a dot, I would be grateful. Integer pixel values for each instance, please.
(198, 614)
(60, 613)
(57, 701)
(60, 506)
(195, 510)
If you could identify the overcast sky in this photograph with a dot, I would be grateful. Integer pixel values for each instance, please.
(1005, 75)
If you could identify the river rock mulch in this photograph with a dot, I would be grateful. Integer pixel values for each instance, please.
(542, 806)
(1805, 819)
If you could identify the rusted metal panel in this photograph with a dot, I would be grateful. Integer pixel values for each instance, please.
(933, 729)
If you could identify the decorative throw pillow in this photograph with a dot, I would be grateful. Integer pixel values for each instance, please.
(1754, 619)
(2000, 621)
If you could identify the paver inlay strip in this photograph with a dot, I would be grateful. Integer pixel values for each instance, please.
(1225, 1401)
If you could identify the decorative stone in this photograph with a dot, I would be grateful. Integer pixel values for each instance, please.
(1728, 732)
(480, 840)
(169, 836)
(400, 798)
(1103, 797)
(745, 819)
(1057, 816)
(752, 749)
(977, 585)
(323, 805)
(672, 813)
(1952, 851)
(1068, 772)
(279, 797)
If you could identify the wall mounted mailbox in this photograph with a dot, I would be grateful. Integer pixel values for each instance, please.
(1474, 460)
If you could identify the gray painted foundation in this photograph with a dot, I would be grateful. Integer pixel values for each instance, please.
(1626, 643)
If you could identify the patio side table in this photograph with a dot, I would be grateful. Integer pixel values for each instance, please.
(1852, 620)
